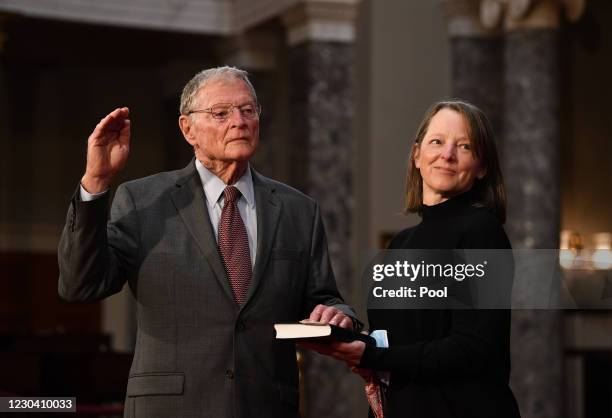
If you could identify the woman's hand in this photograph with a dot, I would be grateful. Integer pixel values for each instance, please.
(350, 353)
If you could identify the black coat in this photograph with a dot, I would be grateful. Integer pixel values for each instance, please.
(447, 363)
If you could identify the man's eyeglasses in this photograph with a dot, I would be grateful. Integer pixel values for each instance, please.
(222, 111)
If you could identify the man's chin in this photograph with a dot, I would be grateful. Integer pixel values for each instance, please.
(238, 157)
(242, 152)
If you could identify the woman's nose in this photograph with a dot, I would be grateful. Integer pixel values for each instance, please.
(449, 152)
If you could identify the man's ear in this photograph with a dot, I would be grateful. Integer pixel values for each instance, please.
(186, 125)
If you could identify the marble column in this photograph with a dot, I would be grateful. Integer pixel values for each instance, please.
(476, 59)
(321, 98)
(531, 140)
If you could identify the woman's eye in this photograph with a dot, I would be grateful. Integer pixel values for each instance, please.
(435, 141)
(465, 146)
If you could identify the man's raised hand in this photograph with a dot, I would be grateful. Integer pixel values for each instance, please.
(108, 147)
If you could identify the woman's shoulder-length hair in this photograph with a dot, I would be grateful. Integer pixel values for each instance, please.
(489, 191)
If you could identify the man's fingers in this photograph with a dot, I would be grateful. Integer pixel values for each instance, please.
(114, 121)
(124, 134)
(114, 126)
(346, 322)
(337, 318)
(120, 113)
(315, 315)
(328, 313)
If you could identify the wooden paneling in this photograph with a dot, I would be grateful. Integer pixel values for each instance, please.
(29, 302)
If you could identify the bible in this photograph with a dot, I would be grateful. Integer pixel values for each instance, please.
(319, 332)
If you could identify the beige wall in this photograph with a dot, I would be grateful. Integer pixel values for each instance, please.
(408, 69)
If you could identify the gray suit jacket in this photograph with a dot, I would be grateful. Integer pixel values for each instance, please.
(197, 353)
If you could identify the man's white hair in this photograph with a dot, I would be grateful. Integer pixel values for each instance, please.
(199, 80)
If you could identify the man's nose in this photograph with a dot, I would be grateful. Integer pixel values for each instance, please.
(236, 118)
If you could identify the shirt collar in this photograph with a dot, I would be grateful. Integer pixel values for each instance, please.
(214, 186)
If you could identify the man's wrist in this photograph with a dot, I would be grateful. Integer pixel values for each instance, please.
(95, 185)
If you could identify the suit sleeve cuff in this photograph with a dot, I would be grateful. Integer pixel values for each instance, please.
(88, 197)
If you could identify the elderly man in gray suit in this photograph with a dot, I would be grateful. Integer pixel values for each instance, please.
(214, 255)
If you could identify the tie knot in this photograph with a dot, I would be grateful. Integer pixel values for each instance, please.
(231, 194)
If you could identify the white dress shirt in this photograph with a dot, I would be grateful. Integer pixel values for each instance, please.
(213, 189)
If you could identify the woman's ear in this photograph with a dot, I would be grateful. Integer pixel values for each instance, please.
(416, 153)
(481, 173)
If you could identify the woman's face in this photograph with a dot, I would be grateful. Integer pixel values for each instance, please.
(445, 158)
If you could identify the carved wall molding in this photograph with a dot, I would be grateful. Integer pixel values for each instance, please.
(480, 17)
(254, 51)
(321, 20)
(325, 19)
(194, 16)
(463, 19)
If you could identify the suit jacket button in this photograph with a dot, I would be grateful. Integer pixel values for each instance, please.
(240, 326)
(229, 374)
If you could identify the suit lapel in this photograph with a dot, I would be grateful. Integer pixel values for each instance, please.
(268, 208)
(188, 198)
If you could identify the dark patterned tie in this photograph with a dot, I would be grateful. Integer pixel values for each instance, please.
(233, 244)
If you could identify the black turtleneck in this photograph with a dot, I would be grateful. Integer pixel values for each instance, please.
(447, 363)
(458, 222)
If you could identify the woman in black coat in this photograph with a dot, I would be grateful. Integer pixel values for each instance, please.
(446, 363)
